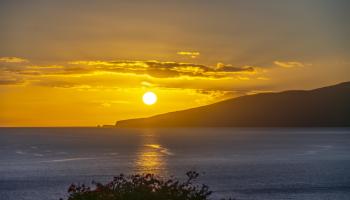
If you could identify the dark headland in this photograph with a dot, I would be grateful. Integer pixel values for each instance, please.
(323, 107)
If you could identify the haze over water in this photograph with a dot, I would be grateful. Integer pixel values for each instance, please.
(40, 163)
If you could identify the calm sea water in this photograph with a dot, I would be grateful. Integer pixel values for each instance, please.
(40, 163)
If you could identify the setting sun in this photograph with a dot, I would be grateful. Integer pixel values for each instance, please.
(149, 98)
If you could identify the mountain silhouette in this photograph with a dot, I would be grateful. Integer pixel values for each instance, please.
(323, 107)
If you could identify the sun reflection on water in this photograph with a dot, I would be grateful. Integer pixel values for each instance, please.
(152, 156)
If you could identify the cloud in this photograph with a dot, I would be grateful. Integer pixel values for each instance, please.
(147, 84)
(60, 84)
(11, 81)
(221, 67)
(46, 67)
(192, 54)
(263, 78)
(13, 60)
(108, 104)
(159, 69)
(153, 68)
(289, 64)
(119, 74)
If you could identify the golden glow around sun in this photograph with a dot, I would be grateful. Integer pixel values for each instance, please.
(149, 98)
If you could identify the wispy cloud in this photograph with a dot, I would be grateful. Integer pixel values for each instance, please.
(106, 75)
(11, 81)
(289, 64)
(13, 60)
(152, 68)
(173, 69)
(192, 54)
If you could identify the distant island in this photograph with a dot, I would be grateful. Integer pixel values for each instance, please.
(323, 107)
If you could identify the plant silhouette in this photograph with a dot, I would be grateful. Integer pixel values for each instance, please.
(143, 187)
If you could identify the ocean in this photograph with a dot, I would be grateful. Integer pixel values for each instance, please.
(243, 163)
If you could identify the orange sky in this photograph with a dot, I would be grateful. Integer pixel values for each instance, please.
(60, 67)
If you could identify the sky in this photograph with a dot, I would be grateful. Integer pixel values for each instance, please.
(86, 63)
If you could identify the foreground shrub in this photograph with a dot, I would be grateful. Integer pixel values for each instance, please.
(142, 187)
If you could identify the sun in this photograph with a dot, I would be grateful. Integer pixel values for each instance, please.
(149, 98)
